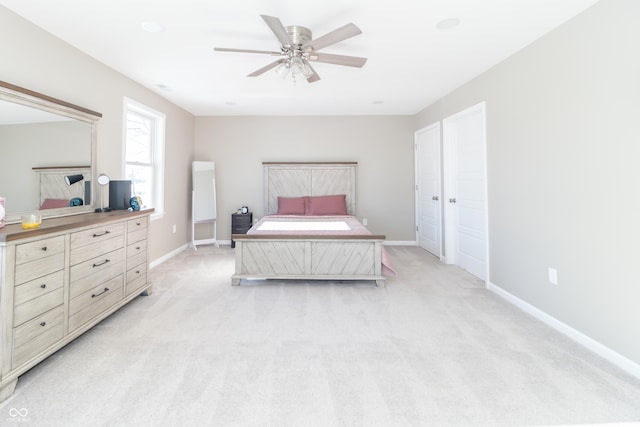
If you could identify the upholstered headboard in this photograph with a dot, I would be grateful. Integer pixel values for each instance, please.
(296, 179)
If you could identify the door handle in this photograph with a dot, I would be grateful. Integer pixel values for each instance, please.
(452, 200)
(435, 198)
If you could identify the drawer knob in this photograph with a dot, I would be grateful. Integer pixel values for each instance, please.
(137, 223)
(43, 323)
(137, 271)
(44, 248)
(102, 263)
(100, 293)
(101, 234)
(44, 285)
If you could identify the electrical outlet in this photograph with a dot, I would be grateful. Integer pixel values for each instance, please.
(364, 221)
(553, 276)
(174, 228)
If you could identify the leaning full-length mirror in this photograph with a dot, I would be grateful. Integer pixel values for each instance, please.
(47, 160)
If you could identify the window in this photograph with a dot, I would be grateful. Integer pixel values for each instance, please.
(144, 154)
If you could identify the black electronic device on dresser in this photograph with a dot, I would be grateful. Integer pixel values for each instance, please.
(240, 224)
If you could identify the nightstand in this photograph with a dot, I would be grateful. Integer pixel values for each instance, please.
(240, 224)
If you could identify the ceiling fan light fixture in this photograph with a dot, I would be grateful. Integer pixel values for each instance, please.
(283, 69)
(306, 71)
(296, 65)
(298, 49)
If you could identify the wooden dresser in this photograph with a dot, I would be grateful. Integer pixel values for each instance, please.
(61, 279)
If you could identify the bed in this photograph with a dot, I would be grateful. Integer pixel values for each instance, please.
(310, 246)
(56, 193)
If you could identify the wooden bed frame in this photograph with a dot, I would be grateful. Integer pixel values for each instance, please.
(53, 186)
(308, 257)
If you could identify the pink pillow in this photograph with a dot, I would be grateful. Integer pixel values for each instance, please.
(291, 205)
(327, 205)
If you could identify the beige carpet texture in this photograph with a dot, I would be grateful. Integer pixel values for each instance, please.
(432, 348)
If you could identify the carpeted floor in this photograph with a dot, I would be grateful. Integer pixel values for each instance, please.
(433, 348)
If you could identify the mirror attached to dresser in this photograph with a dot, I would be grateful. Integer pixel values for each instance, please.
(47, 154)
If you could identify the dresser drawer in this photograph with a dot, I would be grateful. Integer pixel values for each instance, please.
(136, 253)
(92, 303)
(38, 287)
(136, 224)
(136, 278)
(39, 267)
(137, 235)
(96, 249)
(136, 230)
(94, 265)
(37, 306)
(241, 220)
(40, 249)
(36, 335)
(95, 279)
(97, 234)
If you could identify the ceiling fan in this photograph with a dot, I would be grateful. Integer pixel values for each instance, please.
(298, 49)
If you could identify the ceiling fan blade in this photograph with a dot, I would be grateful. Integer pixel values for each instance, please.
(226, 49)
(333, 37)
(313, 77)
(266, 68)
(329, 58)
(278, 29)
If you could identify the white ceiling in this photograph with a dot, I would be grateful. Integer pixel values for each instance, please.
(411, 63)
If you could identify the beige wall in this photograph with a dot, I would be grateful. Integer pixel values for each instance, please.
(33, 59)
(382, 146)
(563, 171)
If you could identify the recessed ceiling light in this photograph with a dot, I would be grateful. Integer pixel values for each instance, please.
(447, 24)
(378, 102)
(152, 27)
(162, 86)
(231, 103)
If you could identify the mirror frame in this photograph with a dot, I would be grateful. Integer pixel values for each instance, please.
(29, 98)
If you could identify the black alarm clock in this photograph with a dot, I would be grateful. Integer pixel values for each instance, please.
(244, 210)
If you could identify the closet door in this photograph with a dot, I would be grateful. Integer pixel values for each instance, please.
(428, 189)
(466, 190)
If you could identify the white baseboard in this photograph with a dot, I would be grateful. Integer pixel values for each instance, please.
(612, 356)
(400, 243)
(171, 254)
(219, 242)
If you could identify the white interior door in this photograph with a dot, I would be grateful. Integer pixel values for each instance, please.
(466, 191)
(428, 189)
